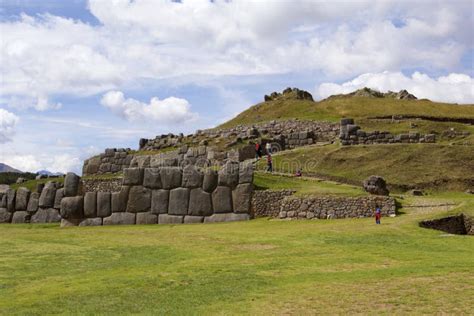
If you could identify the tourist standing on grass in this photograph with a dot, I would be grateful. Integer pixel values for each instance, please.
(269, 163)
(378, 215)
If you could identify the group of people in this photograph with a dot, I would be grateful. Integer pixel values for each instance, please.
(259, 154)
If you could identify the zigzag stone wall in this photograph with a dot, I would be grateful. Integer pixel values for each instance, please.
(167, 195)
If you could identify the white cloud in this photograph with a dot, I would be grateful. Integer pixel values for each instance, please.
(24, 163)
(8, 122)
(452, 88)
(54, 163)
(46, 56)
(167, 111)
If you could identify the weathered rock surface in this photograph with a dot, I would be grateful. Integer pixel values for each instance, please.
(159, 201)
(226, 217)
(11, 194)
(146, 218)
(152, 178)
(121, 218)
(46, 215)
(48, 194)
(222, 200)
(179, 201)
(133, 176)
(170, 177)
(72, 207)
(20, 217)
(242, 197)
(246, 171)
(58, 197)
(70, 222)
(33, 202)
(119, 199)
(103, 204)
(139, 199)
(229, 174)
(170, 219)
(5, 216)
(90, 204)
(192, 177)
(209, 180)
(21, 201)
(96, 221)
(376, 185)
(193, 219)
(200, 203)
(71, 184)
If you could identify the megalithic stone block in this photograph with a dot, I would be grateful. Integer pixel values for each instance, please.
(120, 199)
(242, 197)
(58, 197)
(103, 204)
(160, 201)
(71, 184)
(170, 177)
(152, 178)
(48, 195)
(21, 200)
(33, 202)
(222, 200)
(132, 176)
(72, 207)
(210, 180)
(179, 201)
(90, 204)
(139, 199)
(200, 203)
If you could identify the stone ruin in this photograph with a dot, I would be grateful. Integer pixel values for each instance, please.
(293, 93)
(162, 195)
(375, 185)
(351, 134)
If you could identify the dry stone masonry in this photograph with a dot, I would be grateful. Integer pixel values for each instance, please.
(351, 134)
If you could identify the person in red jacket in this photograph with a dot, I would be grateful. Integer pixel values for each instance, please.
(378, 215)
(258, 151)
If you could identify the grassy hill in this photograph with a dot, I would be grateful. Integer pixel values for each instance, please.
(357, 107)
(404, 166)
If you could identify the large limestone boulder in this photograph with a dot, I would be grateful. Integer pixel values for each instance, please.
(242, 197)
(229, 174)
(132, 176)
(192, 177)
(200, 203)
(103, 204)
(222, 200)
(170, 219)
(170, 177)
(58, 197)
(139, 199)
(33, 202)
(119, 199)
(179, 201)
(3, 200)
(96, 221)
(159, 201)
(46, 215)
(72, 207)
(11, 194)
(376, 185)
(21, 217)
(146, 218)
(226, 217)
(121, 218)
(71, 184)
(48, 194)
(246, 170)
(5, 216)
(210, 180)
(21, 201)
(152, 178)
(90, 204)
(71, 222)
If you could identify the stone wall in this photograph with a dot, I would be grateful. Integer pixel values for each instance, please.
(167, 195)
(268, 202)
(111, 161)
(43, 206)
(351, 134)
(282, 204)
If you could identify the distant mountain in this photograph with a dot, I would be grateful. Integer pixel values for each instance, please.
(7, 168)
(49, 173)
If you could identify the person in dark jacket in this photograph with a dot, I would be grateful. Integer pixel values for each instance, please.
(269, 163)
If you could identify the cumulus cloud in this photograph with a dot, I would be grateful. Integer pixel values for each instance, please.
(168, 111)
(457, 88)
(8, 122)
(54, 163)
(44, 56)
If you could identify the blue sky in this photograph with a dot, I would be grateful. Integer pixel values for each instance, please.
(80, 76)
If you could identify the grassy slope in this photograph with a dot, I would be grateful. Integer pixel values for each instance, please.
(257, 267)
(355, 107)
(399, 164)
(304, 185)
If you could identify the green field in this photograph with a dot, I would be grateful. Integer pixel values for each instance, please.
(257, 267)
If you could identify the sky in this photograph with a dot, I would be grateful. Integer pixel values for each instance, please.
(80, 76)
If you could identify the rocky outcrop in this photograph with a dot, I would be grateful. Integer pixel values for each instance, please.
(371, 93)
(375, 185)
(289, 93)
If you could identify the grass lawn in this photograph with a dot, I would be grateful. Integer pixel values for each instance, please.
(256, 267)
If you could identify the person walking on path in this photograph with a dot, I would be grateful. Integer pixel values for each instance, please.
(378, 215)
(269, 163)
(258, 151)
